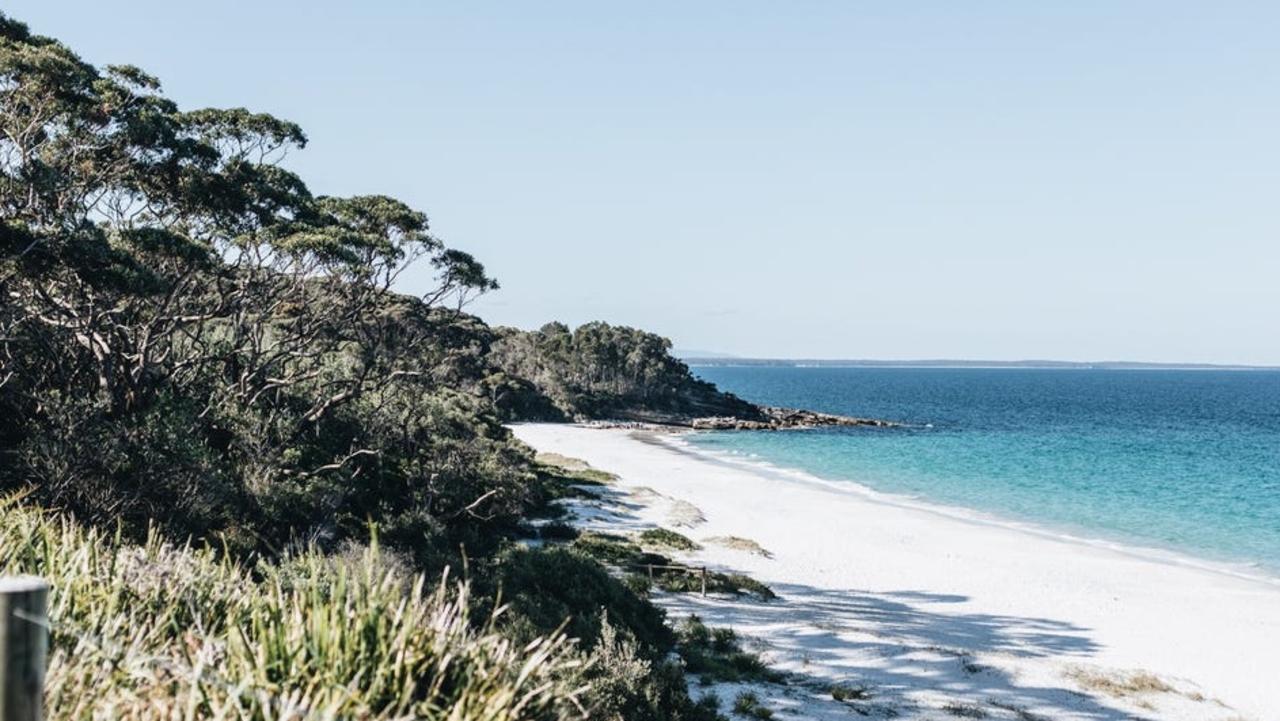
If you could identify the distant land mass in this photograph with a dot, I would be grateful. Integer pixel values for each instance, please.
(710, 360)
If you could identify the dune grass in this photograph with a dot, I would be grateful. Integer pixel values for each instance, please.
(747, 704)
(157, 631)
(716, 655)
(737, 543)
(663, 538)
(578, 471)
(1121, 684)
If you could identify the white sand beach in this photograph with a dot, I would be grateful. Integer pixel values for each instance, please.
(938, 615)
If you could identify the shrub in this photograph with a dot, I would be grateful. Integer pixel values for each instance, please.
(627, 686)
(850, 693)
(546, 586)
(351, 636)
(714, 654)
(678, 581)
(557, 531)
(668, 539)
(748, 704)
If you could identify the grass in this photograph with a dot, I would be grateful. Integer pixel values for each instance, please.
(680, 581)
(621, 552)
(850, 693)
(662, 538)
(685, 514)
(1120, 685)
(573, 469)
(557, 531)
(561, 461)
(737, 543)
(964, 710)
(158, 631)
(615, 550)
(717, 656)
(748, 704)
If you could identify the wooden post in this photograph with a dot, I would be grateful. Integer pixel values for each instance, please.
(704, 581)
(650, 565)
(24, 639)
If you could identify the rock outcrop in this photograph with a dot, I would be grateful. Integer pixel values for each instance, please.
(763, 418)
(783, 418)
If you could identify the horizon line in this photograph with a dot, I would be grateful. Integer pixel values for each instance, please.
(728, 360)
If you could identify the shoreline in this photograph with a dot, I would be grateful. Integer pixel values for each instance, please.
(892, 592)
(1241, 569)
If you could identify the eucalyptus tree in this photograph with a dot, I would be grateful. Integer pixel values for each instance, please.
(175, 301)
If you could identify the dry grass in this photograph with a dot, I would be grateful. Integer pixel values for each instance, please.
(1120, 685)
(156, 631)
(736, 543)
(561, 461)
(685, 514)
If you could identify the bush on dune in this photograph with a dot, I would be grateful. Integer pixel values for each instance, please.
(354, 639)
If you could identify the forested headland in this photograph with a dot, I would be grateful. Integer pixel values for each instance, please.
(224, 429)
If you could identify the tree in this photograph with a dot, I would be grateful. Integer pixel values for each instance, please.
(160, 270)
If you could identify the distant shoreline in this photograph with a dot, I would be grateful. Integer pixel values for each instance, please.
(962, 364)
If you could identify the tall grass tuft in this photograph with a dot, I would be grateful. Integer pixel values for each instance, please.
(164, 632)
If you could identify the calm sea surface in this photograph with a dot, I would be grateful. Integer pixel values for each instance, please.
(1180, 460)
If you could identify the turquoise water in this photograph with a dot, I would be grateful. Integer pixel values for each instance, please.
(1181, 460)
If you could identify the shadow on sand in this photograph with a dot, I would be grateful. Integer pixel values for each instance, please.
(900, 642)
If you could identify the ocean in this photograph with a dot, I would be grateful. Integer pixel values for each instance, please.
(1170, 460)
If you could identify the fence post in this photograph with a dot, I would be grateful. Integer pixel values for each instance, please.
(704, 581)
(24, 640)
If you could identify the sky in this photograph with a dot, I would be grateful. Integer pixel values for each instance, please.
(1084, 180)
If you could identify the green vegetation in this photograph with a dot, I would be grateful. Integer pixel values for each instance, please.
(664, 538)
(204, 360)
(626, 555)
(850, 693)
(964, 710)
(600, 370)
(573, 469)
(557, 531)
(716, 656)
(748, 704)
(350, 635)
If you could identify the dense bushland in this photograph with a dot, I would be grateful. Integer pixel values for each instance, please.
(602, 370)
(207, 360)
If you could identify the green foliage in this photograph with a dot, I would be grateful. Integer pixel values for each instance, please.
(546, 586)
(193, 345)
(716, 656)
(352, 636)
(627, 685)
(600, 370)
(616, 550)
(677, 581)
(748, 704)
(850, 693)
(189, 336)
(667, 539)
(557, 531)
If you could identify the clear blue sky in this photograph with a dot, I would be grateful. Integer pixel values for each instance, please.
(1080, 180)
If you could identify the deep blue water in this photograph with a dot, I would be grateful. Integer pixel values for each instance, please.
(1181, 460)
